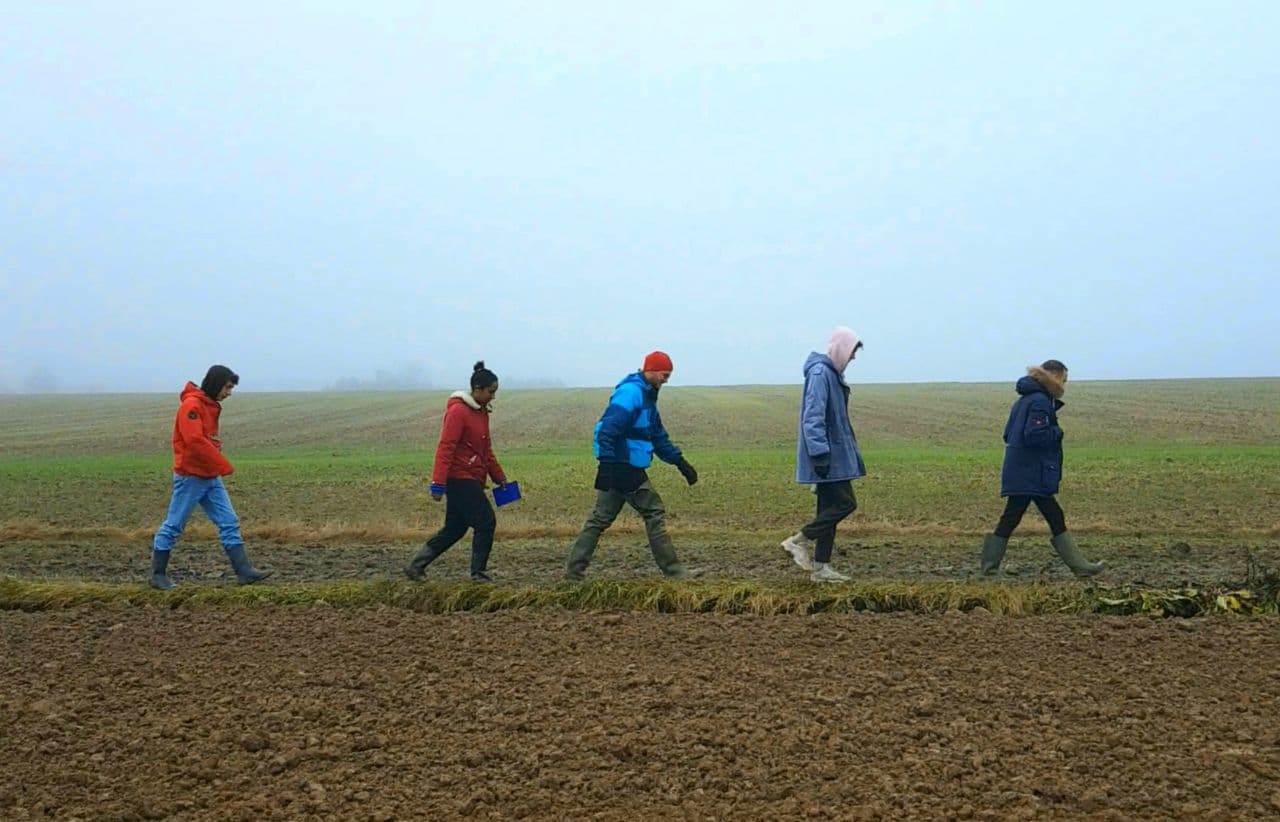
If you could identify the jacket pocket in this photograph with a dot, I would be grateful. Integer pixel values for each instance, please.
(640, 453)
(1050, 474)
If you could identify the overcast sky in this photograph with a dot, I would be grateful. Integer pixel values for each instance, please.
(311, 191)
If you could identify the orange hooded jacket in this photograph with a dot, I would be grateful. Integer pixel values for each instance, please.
(197, 452)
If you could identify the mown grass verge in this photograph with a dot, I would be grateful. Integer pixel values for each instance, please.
(660, 596)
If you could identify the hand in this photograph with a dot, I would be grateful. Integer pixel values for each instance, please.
(1057, 405)
(500, 482)
(690, 475)
(822, 465)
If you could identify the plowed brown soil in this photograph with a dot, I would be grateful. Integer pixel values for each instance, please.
(319, 713)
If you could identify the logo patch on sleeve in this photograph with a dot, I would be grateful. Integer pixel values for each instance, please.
(191, 415)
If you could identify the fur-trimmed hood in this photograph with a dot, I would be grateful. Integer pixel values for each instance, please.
(466, 397)
(1038, 379)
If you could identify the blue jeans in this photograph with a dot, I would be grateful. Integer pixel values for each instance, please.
(209, 494)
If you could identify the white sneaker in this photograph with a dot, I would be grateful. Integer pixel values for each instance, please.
(823, 572)
(799, 548)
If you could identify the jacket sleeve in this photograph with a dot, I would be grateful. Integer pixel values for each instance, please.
(666, 450)
(199, 445)
(611, 433)
(813, 417)
(1041, 428)
(450, 434)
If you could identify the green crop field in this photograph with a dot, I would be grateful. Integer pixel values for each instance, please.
(1171, 482)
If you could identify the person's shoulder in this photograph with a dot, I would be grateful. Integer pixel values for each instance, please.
(1033, 402)
(629, 390)
(818, 372)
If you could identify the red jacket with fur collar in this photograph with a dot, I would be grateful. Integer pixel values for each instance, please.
(465, 451)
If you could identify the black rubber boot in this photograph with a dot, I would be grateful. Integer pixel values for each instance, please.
(421, 560)
(160, 570)
(424, 557)
(480, 561)
(245, 572)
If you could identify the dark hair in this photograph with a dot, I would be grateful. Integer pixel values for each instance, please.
(217, 377)
(482, 377)
(1055, 366)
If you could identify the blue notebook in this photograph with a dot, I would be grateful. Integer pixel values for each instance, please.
(507, 495)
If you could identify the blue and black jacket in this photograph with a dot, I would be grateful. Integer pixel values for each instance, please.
(630, 431)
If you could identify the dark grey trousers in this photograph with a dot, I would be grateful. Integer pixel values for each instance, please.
(609, 504)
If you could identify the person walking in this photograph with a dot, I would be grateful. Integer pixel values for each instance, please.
(464, 458)
(827, 454)
(630, 432)
(198, 469)
(1032, 469)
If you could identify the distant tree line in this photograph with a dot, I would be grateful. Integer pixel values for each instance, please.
(39, 379)
(412, 378)
(416, 378)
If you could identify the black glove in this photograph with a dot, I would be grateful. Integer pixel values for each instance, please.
(501, 482)
(690, 475)
(1057, 405)
(822, 465)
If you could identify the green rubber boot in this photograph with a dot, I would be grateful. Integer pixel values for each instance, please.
(992, 554)
(1081, 567)
(160, 571)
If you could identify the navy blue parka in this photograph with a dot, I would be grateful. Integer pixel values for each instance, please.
(1033, 438)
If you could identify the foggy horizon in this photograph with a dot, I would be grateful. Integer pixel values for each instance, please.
(318, 195)
(535, 385)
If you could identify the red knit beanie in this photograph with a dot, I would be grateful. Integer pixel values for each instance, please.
(657, 361)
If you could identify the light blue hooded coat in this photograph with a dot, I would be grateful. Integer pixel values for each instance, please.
(824, 420)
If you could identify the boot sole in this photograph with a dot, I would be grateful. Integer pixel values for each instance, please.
(256, 580)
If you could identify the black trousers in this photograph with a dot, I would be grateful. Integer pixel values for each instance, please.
(1016, 506)
(465, 506)
(835, 502)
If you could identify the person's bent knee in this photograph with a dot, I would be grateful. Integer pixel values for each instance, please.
(598, 522)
